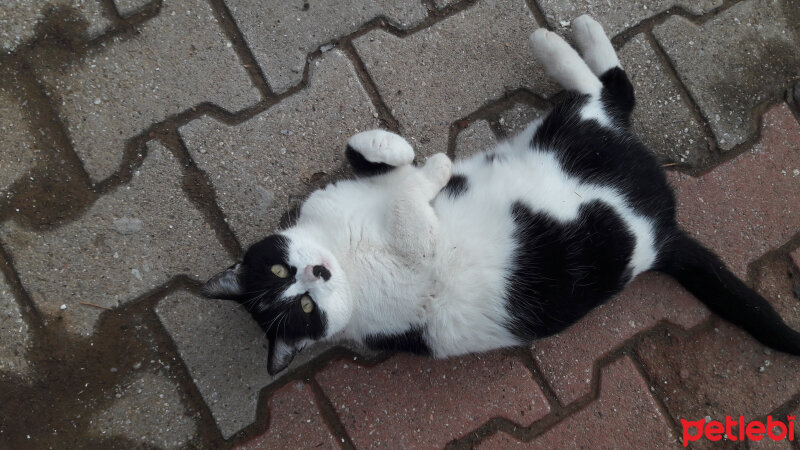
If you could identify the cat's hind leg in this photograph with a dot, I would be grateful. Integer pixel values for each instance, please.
(564, 64)
(597, 51)
(375, 152)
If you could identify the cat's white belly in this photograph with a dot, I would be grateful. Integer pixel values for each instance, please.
(476, 244)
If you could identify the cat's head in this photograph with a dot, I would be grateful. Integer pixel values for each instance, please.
(293, 287)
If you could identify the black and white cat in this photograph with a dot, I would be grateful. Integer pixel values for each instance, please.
(496, 250)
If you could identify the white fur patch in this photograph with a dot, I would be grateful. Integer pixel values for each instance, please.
(563, 63)
(594, 45)
(381, 146)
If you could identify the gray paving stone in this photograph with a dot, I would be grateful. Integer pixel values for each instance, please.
(127, 243)
(128, 7)
(516, 118)
(14, 333)
(263, 164)
(618, 15)
(18, 146)
(148, 410)
(443, 3)
(661, 118)
(454, 67)
(281, 34)
(741, 58)
(226, 353)
(473, 139)
(18, 18)
(177, 60)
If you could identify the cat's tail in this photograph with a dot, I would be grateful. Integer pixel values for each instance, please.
(703, 274)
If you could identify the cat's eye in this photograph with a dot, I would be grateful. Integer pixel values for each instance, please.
(280, 271)
(307, 304)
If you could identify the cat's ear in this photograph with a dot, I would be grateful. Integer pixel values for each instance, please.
(226, 285)
(281, 353)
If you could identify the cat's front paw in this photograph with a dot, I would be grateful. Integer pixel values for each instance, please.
(381, 146)
(438, 169)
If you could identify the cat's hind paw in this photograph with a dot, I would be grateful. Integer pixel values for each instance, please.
(594, 45)
(382, 147)
(438, 169)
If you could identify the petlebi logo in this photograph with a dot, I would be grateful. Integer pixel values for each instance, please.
(738, 430)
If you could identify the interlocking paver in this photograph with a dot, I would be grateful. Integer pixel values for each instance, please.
(477, 137)
(624, 415)
(617, 16)
(260, 166)
(293, 418)
(723, 62)
(567, 359)
(516, 118)
(226, 354)
(425, 403)
(127, 242)
(748, 206)
(661, 118)
(774, 280)
(18, 146)
(281, 34)
(14, 333)
(128, 7)
(761, 179)
(19, 18)
(719, 372)
(453, 67)
(148, 409)
(179, 59)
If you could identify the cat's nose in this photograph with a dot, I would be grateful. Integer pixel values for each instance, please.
(313, 273)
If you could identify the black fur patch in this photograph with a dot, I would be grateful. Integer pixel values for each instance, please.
(411, 341)
(457, 185)
(617, 96)
(562, 271)
(362, 167)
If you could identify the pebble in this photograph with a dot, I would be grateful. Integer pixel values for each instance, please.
(63, 307)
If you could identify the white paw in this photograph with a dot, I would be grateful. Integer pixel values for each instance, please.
(438, 169)
(563, 63)
(381, 146)
(594, 45)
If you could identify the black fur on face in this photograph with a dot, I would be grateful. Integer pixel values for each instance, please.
(259, 283)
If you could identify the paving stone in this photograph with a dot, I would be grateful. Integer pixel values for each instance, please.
(443, 3)
(226, 353)
(747, 206)
(454, 67)
(281, 34)
(177, 60)
(260, 167)
(795, 271)
(717, 373)
(624, 415)
(722, 61)
(773, 280)
(619, 15)
(293, 418)
(473, 139)
(425, 403)
(148, 410)
(128, 7)
(661, 118)
(567, 359)
(127, 243)
(19, 18)
(14, 333)
(516, 118)
(18, 146)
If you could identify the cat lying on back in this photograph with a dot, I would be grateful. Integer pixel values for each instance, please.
(493, 251)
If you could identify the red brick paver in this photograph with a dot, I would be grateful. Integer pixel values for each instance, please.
(623, 416)
(294, 421)
(749, 205)
(567, 359)
(408, 401)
